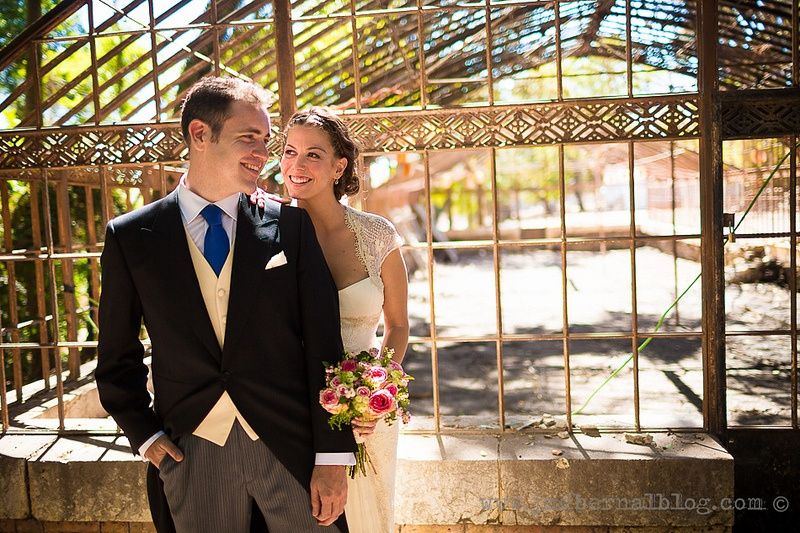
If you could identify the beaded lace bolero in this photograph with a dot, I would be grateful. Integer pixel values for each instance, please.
(361, 304)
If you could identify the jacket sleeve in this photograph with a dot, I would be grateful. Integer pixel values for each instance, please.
(322, 341)
(121, 374)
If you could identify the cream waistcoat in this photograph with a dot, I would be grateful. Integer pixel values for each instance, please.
(217, 424)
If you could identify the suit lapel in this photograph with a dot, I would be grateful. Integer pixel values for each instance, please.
(172, 261)
(257, 239)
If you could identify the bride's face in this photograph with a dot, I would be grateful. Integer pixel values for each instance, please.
(309, 164)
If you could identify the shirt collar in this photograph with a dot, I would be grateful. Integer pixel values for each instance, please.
(191, 203)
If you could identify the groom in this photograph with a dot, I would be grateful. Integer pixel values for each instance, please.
(241, 311)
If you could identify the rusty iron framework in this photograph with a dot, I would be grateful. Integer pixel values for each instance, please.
(667, 117)
(760, 114)
(119, 132)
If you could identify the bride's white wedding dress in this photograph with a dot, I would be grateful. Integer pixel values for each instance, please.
(370, 499)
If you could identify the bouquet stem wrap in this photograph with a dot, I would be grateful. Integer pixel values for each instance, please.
(362, 460)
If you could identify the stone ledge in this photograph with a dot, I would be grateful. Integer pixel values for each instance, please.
(76, 479)
(467, 482)
(556, 529)
(32, 526)
(13, 496)
(35, 526)
(595, 481)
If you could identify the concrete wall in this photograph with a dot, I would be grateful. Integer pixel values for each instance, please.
(470, 483)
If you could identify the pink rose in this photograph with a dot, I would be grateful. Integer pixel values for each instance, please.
(345, 391)
(374, 352)
(395, 365)
(349, 365)
(380, 403)
(377, 374)
(330, 401)
(335, 382)
(362, 391)
(391, 387)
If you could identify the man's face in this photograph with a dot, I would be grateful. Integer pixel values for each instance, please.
(238, 156)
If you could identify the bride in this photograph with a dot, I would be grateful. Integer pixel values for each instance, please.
(362, 251)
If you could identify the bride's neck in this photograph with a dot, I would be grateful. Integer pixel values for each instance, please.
(327, 214)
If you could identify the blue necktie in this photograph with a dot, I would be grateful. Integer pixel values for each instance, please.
(215, 244)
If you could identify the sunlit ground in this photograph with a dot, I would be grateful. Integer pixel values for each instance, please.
(670, 378)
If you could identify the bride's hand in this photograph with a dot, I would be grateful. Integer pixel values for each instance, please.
(260, 198)
(363, 428)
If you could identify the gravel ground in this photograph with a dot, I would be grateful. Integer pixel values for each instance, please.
(599, 299)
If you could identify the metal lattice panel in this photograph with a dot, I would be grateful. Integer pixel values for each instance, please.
(761, 115)
(657, 118)
(528, 125)
(91, 146)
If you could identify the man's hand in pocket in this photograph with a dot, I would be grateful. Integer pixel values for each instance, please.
(160, 449)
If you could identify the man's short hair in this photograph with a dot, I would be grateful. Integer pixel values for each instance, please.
(210, 100)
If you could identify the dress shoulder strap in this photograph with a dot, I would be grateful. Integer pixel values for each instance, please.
(376, 238)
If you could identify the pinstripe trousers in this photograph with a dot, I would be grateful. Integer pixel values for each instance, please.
(212, 489)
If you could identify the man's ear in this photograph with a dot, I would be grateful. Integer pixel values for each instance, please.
(199, 133)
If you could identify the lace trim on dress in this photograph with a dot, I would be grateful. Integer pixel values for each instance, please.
(375, 239)
(351, 224)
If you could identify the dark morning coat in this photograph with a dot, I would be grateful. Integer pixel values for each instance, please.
(282, 324)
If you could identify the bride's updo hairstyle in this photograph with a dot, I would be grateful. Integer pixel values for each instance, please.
(344, 146)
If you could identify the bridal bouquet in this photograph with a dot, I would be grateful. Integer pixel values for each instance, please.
(369, 386)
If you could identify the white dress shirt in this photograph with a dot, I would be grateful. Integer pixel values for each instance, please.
(190, 204)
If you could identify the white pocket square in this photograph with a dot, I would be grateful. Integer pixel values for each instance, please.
(276, 261)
